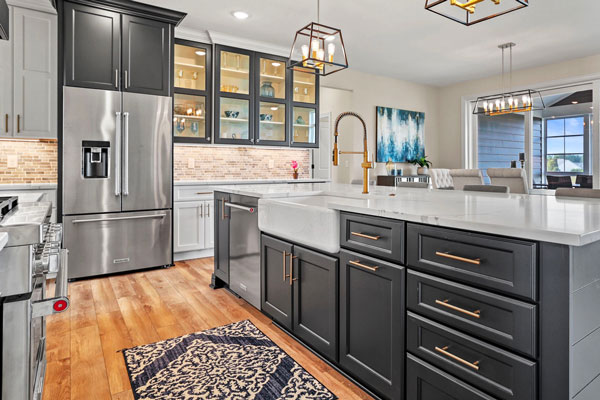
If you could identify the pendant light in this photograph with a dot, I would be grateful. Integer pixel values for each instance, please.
(318, 49)
(509, 102)
(470, 12)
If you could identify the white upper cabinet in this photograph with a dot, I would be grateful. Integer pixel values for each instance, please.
(29, 96)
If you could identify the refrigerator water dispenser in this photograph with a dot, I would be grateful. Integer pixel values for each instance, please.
(95, 159)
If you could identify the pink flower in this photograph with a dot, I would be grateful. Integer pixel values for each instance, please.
(295, 165)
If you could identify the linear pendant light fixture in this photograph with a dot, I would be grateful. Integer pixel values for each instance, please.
(470, 12)
(509, 102)
(318, 49)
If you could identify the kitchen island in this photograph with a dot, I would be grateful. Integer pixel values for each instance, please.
(436, 294)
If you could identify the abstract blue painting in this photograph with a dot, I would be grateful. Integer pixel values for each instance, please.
(400, 135)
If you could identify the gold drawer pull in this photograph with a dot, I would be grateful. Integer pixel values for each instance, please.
(204, 192)
(475, 261)
(358, 264)
(444, 351)
(362, 235)
(474, 314)
(292, 279)
(284, 262)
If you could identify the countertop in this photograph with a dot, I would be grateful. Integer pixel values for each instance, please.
(26, 197)
(573, 222)
(3, 239)
(28, 186)
(246, 182)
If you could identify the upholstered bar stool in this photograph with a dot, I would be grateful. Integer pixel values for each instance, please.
(514, 178)
(462, 177)
(440, 178)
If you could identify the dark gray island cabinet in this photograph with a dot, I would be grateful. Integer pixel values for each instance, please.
(421, 312)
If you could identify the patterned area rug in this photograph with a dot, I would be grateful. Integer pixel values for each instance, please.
(235, 361)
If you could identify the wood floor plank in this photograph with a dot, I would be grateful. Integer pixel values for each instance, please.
(114, 337)
(88, 371)
(109, 314)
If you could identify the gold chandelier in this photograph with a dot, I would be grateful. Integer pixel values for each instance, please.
(509, 102)
(470, 12)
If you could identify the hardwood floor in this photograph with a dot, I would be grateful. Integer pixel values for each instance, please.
(110, 314)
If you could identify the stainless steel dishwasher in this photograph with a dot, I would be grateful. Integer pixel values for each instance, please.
(244, 248)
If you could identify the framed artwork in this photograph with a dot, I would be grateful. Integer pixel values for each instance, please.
(400, 134)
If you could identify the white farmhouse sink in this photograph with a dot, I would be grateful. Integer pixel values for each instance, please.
(302, 220)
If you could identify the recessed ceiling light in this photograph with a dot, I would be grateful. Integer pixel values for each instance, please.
(574, 102)
(201, 53)
(240, 14)
(274, 108)
(275, 64)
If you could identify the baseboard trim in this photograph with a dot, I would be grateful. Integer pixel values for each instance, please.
(190, 255)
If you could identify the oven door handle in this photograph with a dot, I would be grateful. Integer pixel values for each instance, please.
(60, 301)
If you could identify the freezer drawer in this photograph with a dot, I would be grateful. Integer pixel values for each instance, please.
(107, 243)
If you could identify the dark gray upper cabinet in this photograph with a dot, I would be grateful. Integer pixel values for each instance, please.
(146, 55)
(276, 284)
(315, 278)
(92, 47)
(372, 322)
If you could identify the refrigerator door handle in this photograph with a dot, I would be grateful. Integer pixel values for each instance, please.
(119, 124)
(152, 216)
(126, 155)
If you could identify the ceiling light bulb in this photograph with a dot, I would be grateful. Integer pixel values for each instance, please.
(201, 53)
(331, 51)
(304, 49)
(485, 105)
(498, 104)
(275, 64)
(274, 108)
(240, 14)
(503, 103)
(510, 101)
(574, 102)
(314, 48)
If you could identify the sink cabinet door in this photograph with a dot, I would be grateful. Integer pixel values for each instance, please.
(276, 286)
(316, 300)
(372, 322)
(222, 234)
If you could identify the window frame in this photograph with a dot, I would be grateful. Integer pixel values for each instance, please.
(586, 145)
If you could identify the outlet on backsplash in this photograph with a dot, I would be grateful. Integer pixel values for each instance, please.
(191, 163)
(271, 163)
(12, 161)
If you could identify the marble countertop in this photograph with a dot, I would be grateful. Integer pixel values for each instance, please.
(26, 197)
(247, 182)
(28, 186)
(3, 239)
(573, 222)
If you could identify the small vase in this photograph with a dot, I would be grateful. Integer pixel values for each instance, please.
(423, 171)
(267, 89)
(295, 175)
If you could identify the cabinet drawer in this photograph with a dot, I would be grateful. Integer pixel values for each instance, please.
(500, 264)
(495, 318)
(425, 382)
(192, 193)
(379, 237)
(496, 371)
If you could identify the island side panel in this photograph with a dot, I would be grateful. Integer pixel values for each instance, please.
(585, 321)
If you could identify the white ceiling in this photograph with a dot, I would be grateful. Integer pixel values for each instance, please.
(399, 38)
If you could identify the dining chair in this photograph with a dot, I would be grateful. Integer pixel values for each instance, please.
(578, 192)
(559, 181)
(514, 178)
(487, 188)
(585, 181)
(462, 177)
(440, 178)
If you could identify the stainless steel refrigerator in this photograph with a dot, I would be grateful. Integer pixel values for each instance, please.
(116, 181)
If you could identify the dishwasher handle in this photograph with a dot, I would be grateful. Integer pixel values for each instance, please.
(251, 210)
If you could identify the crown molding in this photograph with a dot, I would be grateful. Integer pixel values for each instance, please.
(37, 5)
(249, 44)
(192, 34)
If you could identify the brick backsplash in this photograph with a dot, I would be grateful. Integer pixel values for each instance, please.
(36, 162)
(238, 163)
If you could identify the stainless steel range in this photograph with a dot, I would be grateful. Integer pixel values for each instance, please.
(32, 249)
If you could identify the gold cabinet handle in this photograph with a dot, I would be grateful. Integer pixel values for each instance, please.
(18, 123)
(285, 276)
(475, 261)
(358, 264)
(474, 314)
(203, 192)
(443, 350)
(6, 123)
(362, 235)
(292, 279)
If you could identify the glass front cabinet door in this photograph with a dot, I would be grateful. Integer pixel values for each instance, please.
(271, 121)
(234, 100)
(305, 109)
(192, 87)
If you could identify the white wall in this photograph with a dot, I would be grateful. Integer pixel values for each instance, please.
(363, 92)
(450, 98)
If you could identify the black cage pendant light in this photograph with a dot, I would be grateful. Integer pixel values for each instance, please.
(470, 12)
(318, 49)
(509, 102)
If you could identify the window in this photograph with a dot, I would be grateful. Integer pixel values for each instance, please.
(566, 145)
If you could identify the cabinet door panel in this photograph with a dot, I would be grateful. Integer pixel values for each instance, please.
(92, 47)
(189, 226)
(276, 287)
(372, 322)
(34, 51)
(316, 300)
(6, 85)
(146, 55)
(209, 222)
